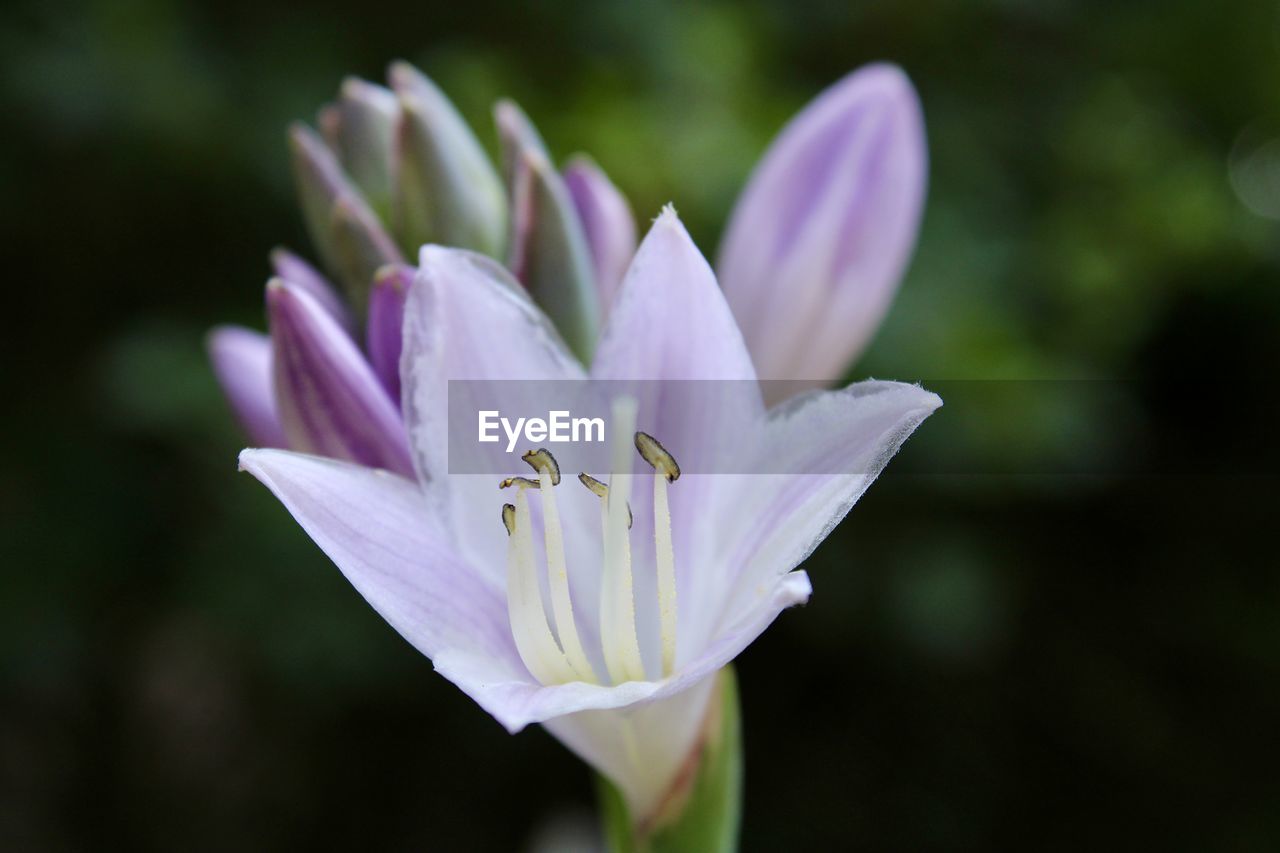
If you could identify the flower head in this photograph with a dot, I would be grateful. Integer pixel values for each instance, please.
(656, 577)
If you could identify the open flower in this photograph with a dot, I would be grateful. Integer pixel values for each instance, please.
(655, 580)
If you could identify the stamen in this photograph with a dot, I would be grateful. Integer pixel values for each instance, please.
(600, 490)
(534, 641)
(617, 601)
(557, 569)
(666, 470)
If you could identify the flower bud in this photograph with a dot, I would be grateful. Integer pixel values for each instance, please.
(446, 190)
(607, 222)
(549, 253)
(360, 247)
(361, 128)
(242, 363)
(822, 233)
(295, 270)
(329, 400)
(348, 236)
(385, 335)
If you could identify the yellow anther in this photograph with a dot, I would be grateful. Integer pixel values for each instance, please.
(541, 460)
(509, 518)
(652, 451)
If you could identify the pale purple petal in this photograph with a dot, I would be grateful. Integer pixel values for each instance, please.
(515, 702)
(377, 529)
(384, 335)
(830, 446)
(329, 399)
(821, 235)
(467, 318)
(608, 223)
(295, 270)
(242, 363)
(670, 322)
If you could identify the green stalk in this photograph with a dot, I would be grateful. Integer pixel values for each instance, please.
(702, 815)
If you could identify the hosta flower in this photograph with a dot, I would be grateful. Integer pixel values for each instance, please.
(655, 579)
(389, 170)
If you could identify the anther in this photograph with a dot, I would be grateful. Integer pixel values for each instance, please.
(541, 460)
(652, 451)
(509, 518)
(522, 482)
(601, 491)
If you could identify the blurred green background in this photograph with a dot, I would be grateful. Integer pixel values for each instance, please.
(1073, 656)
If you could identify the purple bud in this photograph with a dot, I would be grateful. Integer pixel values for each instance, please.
(295, 270)
(823, 231)
(385, 333)
(329, 399)
(242, 363)
(607, 221)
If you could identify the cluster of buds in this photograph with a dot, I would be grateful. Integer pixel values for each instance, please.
(812, 255)
(389, 170)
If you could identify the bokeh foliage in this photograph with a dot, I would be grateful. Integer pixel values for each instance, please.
(1053, 659)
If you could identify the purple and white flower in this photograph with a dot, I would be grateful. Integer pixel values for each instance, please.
(620, 665)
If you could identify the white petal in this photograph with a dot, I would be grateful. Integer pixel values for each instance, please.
(378, 530)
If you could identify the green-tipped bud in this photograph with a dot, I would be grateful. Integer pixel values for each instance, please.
(319, 181)
(360, 248)
(361, 128)
(549, 252)
(446, 190)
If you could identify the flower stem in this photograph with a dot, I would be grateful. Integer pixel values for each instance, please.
(705, 813)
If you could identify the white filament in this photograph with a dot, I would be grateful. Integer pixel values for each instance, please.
(617, 601)
(558, 581)
(664, 553)
(534, 641)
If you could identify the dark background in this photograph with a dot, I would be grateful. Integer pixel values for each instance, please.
(1006, 648)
